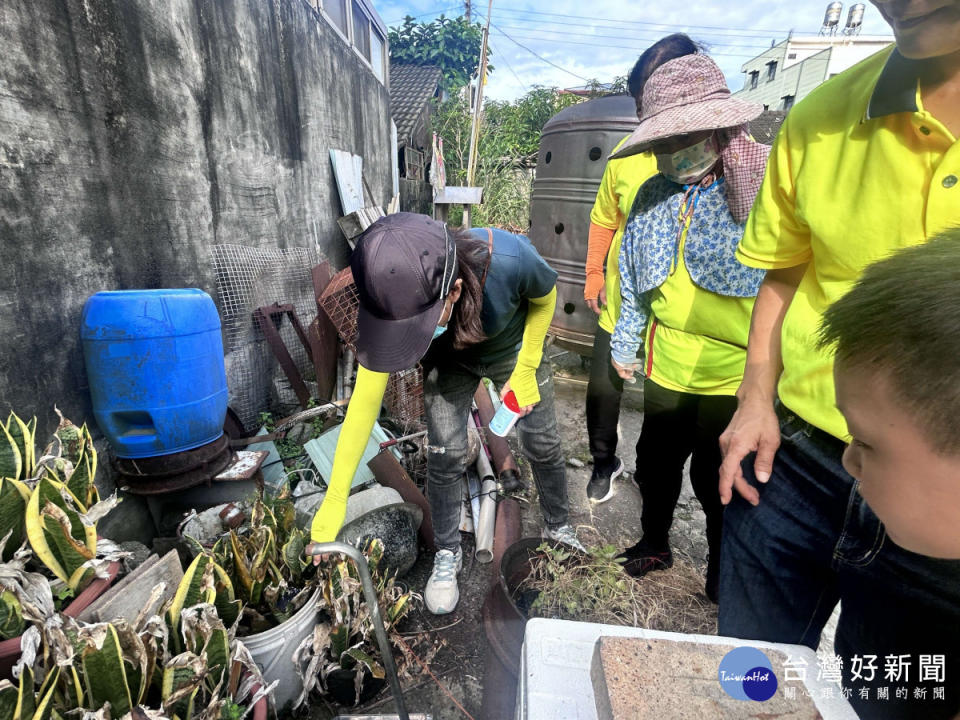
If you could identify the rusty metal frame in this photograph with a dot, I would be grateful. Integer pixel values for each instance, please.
(326, 340)
(264, 316)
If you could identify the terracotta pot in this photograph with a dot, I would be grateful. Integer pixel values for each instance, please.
(504, 622)
(10, 649)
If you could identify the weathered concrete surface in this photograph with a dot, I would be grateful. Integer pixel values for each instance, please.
(135, 135)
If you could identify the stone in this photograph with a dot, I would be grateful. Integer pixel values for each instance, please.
(141, 553)
(677, 679)
(574, 463)
(131, 595)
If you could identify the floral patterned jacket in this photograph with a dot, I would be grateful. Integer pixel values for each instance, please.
(649, 249)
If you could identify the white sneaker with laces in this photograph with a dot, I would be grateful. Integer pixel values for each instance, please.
(442, 594)
(564, 534)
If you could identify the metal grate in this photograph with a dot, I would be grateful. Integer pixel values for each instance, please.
(403, 399)
(340, 301)
(248, 278)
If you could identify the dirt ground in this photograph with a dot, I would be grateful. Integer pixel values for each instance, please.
(456, 641)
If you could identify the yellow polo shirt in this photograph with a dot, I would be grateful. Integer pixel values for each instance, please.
(696, 340)
(618, 188)
(858, 171)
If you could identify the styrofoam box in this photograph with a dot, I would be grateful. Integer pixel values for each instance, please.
(555, 684)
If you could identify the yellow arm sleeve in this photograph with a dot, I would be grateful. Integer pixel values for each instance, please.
(361, 415)
(523, 381)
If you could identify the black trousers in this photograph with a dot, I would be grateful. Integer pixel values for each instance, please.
(604, 391)
(676, 426)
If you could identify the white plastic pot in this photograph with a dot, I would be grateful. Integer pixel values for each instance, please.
(273, 652)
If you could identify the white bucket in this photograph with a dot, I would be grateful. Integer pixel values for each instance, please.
(273, 651)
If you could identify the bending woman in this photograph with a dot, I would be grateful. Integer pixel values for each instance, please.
(467, 305)
(685, 295)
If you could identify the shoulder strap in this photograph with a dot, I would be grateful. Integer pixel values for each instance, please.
(483, 277)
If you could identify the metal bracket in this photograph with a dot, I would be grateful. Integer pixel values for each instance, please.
(264, 316)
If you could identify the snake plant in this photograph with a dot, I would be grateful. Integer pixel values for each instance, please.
(112, 670)
(347, 641)
(50, 499)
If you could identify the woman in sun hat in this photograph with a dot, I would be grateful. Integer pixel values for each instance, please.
(466, 305)
(685, 297)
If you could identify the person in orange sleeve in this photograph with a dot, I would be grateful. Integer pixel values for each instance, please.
(622, 177)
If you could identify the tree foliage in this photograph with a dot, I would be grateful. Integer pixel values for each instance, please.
(452, 44)
(506, 155)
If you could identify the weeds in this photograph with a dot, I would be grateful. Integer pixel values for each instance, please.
(594, 588)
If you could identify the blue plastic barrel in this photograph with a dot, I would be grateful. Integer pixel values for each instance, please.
(155, 366)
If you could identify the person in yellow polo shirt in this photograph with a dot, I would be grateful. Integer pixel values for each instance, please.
(685, 294)
(466, 305)
(622, 177)
(867, 164)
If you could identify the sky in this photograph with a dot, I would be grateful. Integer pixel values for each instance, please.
(565, 43)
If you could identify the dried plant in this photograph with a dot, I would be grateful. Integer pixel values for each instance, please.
(594, 588)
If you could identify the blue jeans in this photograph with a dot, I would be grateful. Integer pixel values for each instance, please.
(813, 541)
(448, 393)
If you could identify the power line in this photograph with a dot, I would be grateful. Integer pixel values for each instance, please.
(612, 47)
(669, 26)
(426, 14)
(510, 68)
(537, 55)
(629, 36)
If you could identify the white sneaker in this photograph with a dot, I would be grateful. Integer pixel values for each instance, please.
(564, 534)
(441, 594)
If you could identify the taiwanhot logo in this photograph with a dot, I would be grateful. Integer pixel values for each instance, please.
(746, 674)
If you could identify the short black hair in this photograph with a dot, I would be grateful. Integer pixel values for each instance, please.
(664, 50)
(903, 318)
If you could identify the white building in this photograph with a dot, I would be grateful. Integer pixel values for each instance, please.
(789, 70)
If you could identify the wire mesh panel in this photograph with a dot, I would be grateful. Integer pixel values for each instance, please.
(248, 278)
(403, 399)
(340, 301)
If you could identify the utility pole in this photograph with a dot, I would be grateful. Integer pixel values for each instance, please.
(478, 108)
(467, 10)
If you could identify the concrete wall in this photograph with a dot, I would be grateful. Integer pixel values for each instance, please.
(135, 135)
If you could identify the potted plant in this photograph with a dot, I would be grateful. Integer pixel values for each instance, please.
(51, 503)
(342, 659)
(113, 669)
(261, 564)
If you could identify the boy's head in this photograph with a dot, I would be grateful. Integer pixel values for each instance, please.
(896, 335)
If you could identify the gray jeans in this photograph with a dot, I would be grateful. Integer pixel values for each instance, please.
(448, 392)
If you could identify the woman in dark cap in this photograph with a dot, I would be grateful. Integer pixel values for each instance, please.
(685, 297)
(467, 305)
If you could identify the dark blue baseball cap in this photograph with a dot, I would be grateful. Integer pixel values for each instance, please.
(404, 266)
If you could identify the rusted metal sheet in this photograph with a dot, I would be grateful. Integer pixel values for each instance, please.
(177, 471)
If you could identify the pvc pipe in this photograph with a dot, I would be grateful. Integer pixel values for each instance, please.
(488, 510)
(499, 448)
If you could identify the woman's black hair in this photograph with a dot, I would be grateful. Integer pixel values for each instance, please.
(465, 325)
(664, 50)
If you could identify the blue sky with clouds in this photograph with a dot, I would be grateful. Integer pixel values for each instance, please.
(600, 39)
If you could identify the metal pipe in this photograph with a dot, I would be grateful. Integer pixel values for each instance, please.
(371, 596)
(506, 532)
(499, 448)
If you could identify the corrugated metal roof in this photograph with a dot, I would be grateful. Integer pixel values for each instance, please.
(411, 87)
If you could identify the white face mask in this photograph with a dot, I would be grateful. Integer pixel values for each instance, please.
(689, 164)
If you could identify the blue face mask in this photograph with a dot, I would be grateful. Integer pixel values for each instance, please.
(438, 331)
